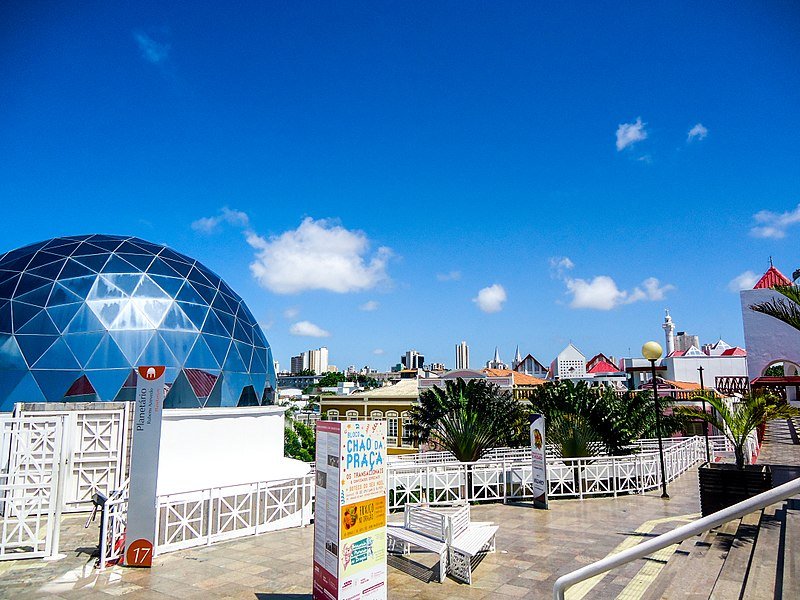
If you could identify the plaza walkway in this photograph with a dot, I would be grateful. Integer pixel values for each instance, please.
(534, 547)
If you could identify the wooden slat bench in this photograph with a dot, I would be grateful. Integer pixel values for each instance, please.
(424, 528)
(473, 541)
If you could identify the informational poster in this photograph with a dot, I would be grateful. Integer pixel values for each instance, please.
(539, 461)
(141, 526)
(350, 511)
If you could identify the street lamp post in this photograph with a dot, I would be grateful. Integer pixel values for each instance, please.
(705, 425)
(652, 352)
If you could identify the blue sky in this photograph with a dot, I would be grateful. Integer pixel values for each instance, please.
(364, 170)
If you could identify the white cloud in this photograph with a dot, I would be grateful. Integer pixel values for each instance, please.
(451, 276)
(291, 312)
(369, 306)
(743, 281)
(490, 299)
(774, 225)
(237, 218)
(378, 351)
(308, 329)
(560, 264)
(697, 132)
(318, 255)
(630, 133)
(152, 51)
(602, 293)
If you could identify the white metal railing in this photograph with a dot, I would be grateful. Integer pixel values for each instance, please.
(202, 517)
(778, 494)
(508, 476)
(112, 527)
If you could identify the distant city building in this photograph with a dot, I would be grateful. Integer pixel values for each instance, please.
(436, 367)
(684, 341)
(517, 359)
(462, 356)
(569, 364)
(313, 360)
(669, 332)
(530, 366)
(496, 363)
(412, 360)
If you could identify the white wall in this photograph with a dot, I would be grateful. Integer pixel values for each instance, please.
(684, 368)
(767, 339)
(209, 447)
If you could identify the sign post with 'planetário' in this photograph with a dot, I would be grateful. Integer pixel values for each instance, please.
(350, 511)
(141, 524)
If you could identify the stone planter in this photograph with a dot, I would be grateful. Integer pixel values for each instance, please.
(723, 485)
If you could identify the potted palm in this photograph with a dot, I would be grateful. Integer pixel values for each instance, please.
(725, 484)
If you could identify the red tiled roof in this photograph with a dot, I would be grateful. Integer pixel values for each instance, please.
(519, 378)
(81, 387)
(770, 279)
(676, 353)
(603, 367)
(202, 382)
(735, 351)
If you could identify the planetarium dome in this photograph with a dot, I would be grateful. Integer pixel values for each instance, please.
(78, 313)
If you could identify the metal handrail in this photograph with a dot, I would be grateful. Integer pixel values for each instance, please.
(676, 536)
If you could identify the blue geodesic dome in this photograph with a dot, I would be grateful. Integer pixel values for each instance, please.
(79, 313)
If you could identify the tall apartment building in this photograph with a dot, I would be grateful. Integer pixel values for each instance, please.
(412, 360)
(314, 360)
(684, 341)
(462, 356)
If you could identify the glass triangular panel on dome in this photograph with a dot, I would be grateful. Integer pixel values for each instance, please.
(87, 248)
(27, 390)
(172, 255)
(130, 317)
(6, 325)
(146, 246)
(42, 258)
(180, 343)
(140, 261)
(182, 267)
(132, 343)
(80, 286)
(95, 262)
(10, 356)
(107, 243)
(227, 321)
(240, 332)
(127, 247)
(10, 379)
(57, 356)
(63, 249)
(34, 346)
(41, 324)
(188, 294)
(108, 382)
(103, 289)
(8, 286)
(201, 357)
(37, 297)
(257, 364)
(117, 265)
(214, 326)
(225, 304)
(62, 295)
(107, 355)
(153, 309)
(197, 276)
(54, 384)
(176, 319)
(157, 352)
(206, 292)
(148, 289)
(63, 314)
(84, 345)
(22, 313)
(84, 320)
(246, 352)
(107, 310)
(49, 271)
(29, 282)
(235, 363)
(159, 267)
(219, 347)
(127, 282)
(170, 285)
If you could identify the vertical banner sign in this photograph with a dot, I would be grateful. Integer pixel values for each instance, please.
(350, 511)
(141, 526)
(539, 461)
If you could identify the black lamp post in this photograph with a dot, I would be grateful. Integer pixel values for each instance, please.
(652, 352)
(705, 425)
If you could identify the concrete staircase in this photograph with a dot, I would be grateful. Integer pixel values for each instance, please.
(753, 558)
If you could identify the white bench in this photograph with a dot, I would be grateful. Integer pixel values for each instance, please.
(423, 528)
(466, 540)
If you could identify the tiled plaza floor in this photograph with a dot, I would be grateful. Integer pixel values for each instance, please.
(534, 547)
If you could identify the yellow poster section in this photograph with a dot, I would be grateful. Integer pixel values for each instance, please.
(360, 517)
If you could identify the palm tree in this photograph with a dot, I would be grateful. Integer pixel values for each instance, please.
(468, 418)
(738, 423)
(784, 309)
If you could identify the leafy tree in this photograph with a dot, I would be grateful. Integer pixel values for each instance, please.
(331, 379)
(784, 309)
(468, 418)
(774, 371)
(739, 422)
(299, 440)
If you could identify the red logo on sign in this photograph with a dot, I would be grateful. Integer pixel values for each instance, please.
(151, 373)
(139, 554)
